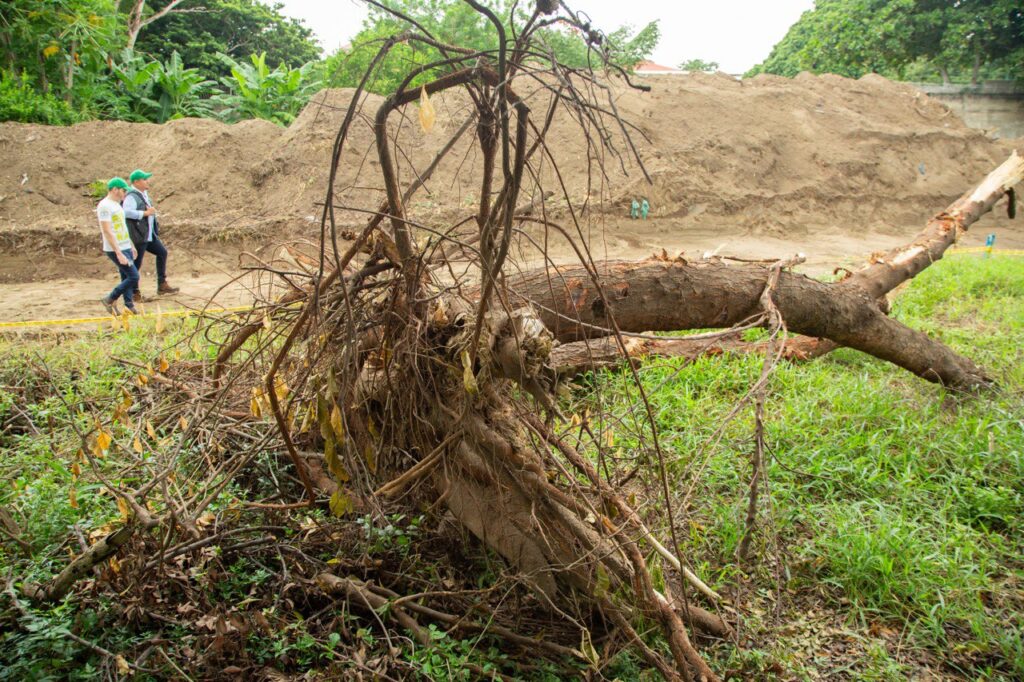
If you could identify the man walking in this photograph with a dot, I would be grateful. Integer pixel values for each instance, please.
(117, 244)
(145, 229)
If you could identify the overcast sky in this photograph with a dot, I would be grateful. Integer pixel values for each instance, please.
(735, 33)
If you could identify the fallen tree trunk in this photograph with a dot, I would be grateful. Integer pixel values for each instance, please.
(656, 295)
(651, 296)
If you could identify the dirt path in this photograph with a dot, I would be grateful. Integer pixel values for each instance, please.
(47, 292)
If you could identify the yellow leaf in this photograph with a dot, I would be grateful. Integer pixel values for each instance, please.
(143, 379)
(73, 498)
(340, 503)
(339, 429)
(124, 319)
(334, 464)
(609, 437)
(150, 431)
(137, 445)
(104, 440)
(76, 470)
(122, 665)
(280, 388)
(468, 378)
(115, 566)
(127, 402)
(183, 423)
(266, 323)
(160, 322)
(254, 407)
(205, 519)
(50, 50)
(575, 420)
(307, 421)
(588, 650)
(427, 113)
(164, 365)
(122, 507)
(80, 455)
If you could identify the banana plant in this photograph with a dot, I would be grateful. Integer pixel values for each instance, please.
(179, 92)
(254, 90)
(136, 79)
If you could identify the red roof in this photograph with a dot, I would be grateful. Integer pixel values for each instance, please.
(651, 66)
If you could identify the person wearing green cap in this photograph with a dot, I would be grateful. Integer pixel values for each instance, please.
(145, 229)
(117, 244)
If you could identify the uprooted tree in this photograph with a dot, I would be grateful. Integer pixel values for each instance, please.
(424, 367)
(424, 378)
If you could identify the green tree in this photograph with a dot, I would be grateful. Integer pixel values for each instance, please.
(200, 30)
(455, 22)
(57, 41)
(901, 38)
(698, 65)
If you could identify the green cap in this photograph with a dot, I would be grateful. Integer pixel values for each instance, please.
(139, 174)
(117, 183)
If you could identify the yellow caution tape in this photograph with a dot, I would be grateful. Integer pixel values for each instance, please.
(986, 249)
(85, 320)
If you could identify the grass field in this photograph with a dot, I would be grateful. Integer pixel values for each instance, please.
(891, 545)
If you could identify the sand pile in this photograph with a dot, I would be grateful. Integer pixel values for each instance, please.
(811, 155)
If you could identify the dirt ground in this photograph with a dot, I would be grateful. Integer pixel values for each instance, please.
(831, 167)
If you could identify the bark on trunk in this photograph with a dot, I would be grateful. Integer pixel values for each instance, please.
(886, 271)
(669, 296)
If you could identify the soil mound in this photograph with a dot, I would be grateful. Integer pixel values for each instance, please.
(811, 155)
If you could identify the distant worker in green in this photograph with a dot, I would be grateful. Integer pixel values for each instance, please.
(644, 208)
(634, 210)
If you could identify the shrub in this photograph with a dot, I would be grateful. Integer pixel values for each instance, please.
(19, 101)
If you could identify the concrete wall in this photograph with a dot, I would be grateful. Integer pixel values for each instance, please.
(997, 106)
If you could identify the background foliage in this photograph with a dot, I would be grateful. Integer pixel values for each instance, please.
(924, 40)
(64, 61)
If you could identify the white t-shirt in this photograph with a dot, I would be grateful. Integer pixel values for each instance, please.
(111, 211)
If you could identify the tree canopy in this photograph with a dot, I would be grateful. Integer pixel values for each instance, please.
(904, 39)
(698, 65)
(201, 29)
(456, 22)
(62, 61)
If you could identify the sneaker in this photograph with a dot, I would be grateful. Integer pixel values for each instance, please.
(165, 288)
(110, 304)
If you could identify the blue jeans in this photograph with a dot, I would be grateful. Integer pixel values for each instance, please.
(157, 248)
(129, 278)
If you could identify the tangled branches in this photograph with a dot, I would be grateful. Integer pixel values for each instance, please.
(419, 367)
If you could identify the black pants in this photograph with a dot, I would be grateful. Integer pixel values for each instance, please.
(157, 248)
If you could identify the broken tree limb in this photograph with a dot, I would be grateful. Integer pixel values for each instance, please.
(657, 295)
(878, 278)
(889, 270)
(82, 564)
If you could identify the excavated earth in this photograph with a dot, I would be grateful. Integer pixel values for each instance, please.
(828, 166)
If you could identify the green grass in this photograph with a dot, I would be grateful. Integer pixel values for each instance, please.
(899, 506)
(53, 387)
(894, 547)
